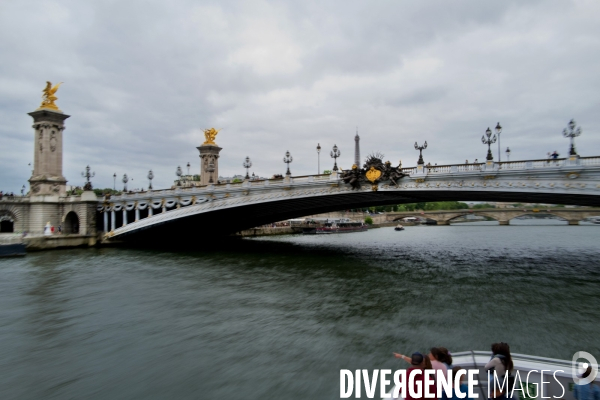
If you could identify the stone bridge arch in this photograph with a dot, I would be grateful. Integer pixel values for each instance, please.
(13, 214)
(71, 223)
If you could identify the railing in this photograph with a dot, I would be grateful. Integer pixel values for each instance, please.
(475, 168)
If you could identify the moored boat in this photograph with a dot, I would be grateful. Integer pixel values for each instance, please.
(334, 226)
(11, 246)
(399, 228)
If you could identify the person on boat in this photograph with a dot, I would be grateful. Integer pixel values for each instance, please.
(501, 362)
(463, 387)
(589, 391)
(445, 357)
(437, 357)
(418, 362)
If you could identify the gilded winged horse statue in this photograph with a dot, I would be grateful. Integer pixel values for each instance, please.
(48, 98)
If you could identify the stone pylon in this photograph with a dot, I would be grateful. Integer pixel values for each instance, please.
(47, 178)
(209, 163)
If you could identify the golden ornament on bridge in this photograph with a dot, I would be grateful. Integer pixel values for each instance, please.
(48, 98)
(210, 135)
(373, 174)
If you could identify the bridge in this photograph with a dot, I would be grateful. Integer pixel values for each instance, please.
(503, 215)
(212, 208)
(226, 208)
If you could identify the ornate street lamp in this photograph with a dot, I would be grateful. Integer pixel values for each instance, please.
(288, 159)
(23, 191)
(490, 139)
(188, 167)
(178, 172)
(572, 133)
(247, 164)
(335, 153)
(125, 180)
(150, 177)
(421, 148)
(507, 154)
(318, 158)
(88, 175)
(498, 132)
(115, 181)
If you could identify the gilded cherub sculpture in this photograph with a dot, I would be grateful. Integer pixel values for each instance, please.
(210, 135)
(48, 98)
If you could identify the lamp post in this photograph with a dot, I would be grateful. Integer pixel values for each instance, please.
(247, 164)
(490, 139)
(421, 148)
(88, 175)
(178, 172)
(318, 158)
(125, 180)
(23, 191)
(188, 167)
(572, 133)
(507, 154)
(335, 153)
(498, 132)
(115, 181)
(288, 159)
(150, 177)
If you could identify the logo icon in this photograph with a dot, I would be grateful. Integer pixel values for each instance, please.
(578, 369)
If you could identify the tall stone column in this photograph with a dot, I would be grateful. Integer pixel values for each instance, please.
(209, 163)
(47, 178)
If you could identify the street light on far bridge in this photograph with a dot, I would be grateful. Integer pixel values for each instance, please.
(115, 181)
(421, 148)
(490, 139)
(288, 159)
(572, 133)
(507, 154)
(335, 153)
(125, 180)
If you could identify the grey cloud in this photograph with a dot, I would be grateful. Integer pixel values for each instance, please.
(142, 79)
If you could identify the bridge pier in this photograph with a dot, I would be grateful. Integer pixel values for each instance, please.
(573, 222)
(503, 222)
(447, 222)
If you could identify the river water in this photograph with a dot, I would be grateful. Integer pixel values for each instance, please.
(271, 318)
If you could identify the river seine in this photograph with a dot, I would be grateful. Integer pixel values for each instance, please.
(277, 318)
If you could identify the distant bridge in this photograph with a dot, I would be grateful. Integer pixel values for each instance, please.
(198, 212)
(502, 215)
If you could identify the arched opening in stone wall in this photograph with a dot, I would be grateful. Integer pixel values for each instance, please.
(71, 223)
(7, 224)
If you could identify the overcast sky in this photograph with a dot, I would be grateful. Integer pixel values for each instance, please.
(143, 78)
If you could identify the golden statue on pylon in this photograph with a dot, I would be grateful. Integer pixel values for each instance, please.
(210, 135)
(48, 98)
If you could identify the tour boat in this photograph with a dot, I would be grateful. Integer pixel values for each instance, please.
(557, 375)
(399, 228)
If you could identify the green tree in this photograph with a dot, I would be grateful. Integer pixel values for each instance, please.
(368, 220)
